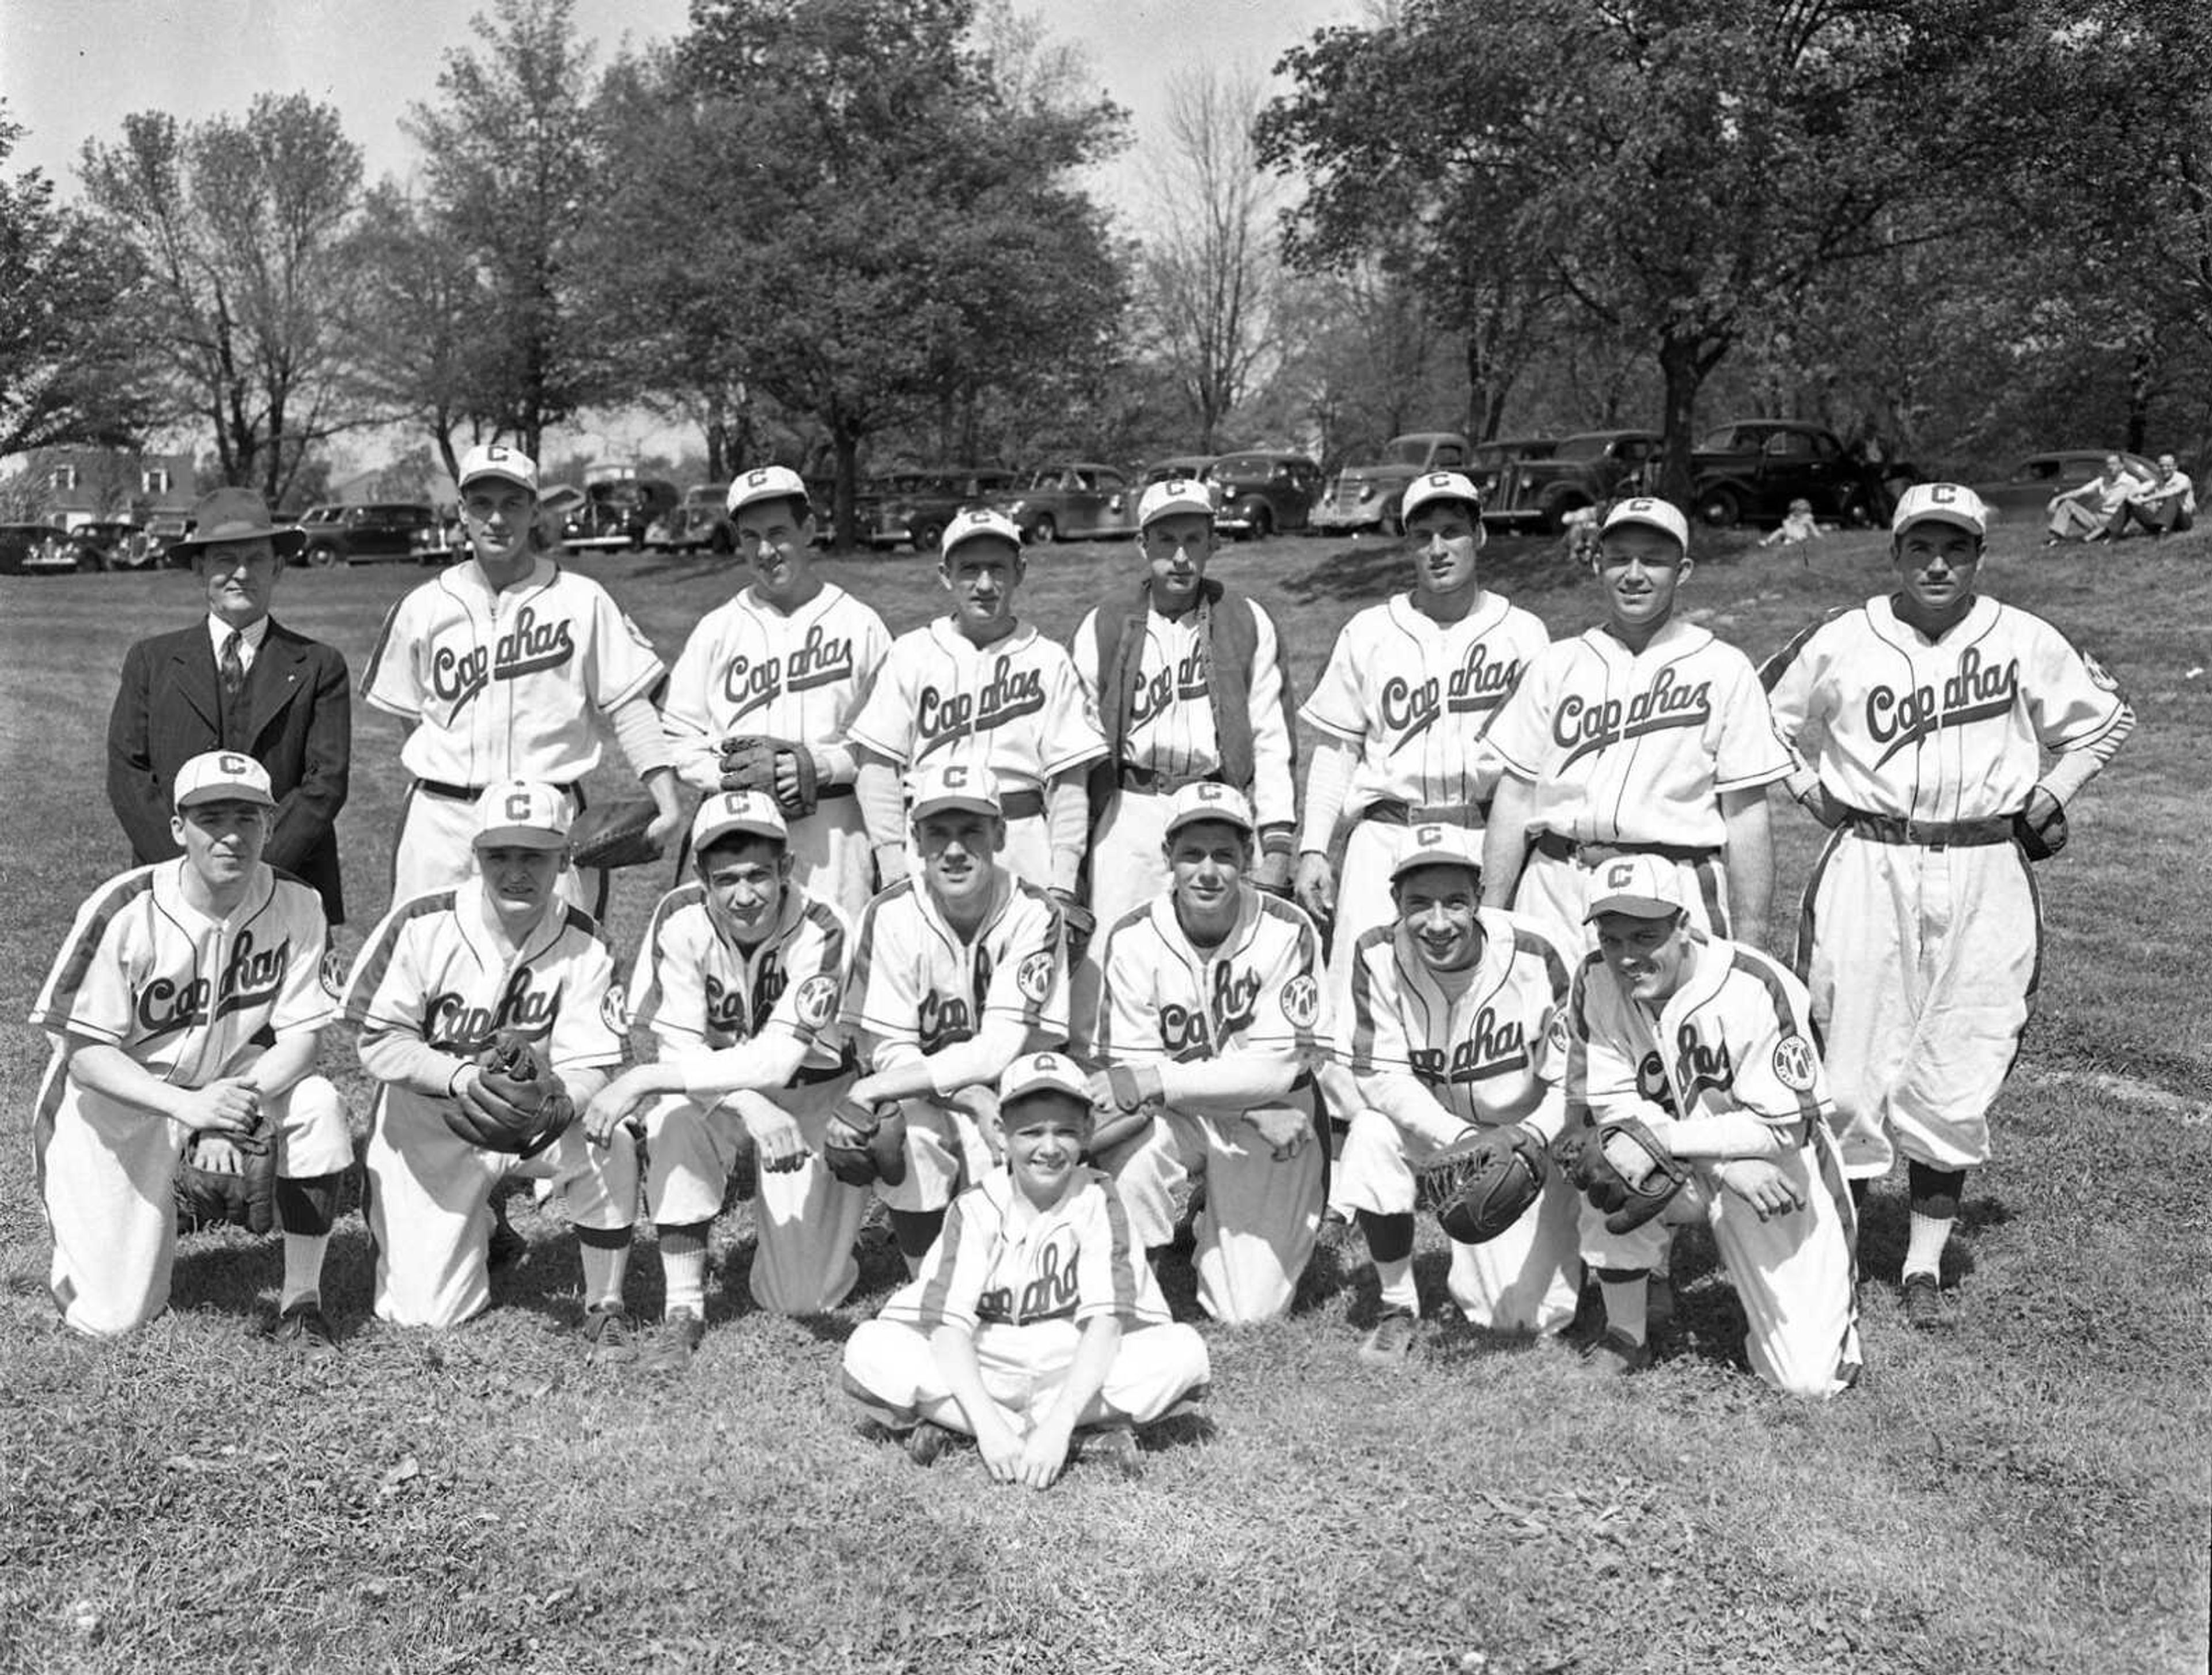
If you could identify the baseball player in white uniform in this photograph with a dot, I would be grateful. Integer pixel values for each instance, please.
(1190, 683)
(501, 665)
(789, 659)
(1643, 736)
(738, 980)
(1922, 929)
(1710, 1044)
(956, 970)
(1411, 686)
(439, 978)
(1446, 1034)
(1210, 1023)
(1035, 1318)
(189, 998)
(980, 688)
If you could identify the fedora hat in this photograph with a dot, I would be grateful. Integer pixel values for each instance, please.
(239, 515)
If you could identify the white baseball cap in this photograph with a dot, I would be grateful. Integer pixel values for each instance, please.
(1208, 800)
(979, 523)
(955, 785)
(1172, 496)
(222, 776)
(1434, 844)
(498, 459)
(1653, 514)
(522, 813)
(725, 813)
(1941, 502)
(1041, 1073)
(1644, 886)
(1439, 485)
(769, 482)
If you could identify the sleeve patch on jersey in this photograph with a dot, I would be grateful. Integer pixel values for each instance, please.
(333, 973)
(1556, 1031)
(815, 999)
(2099, 677)
(1034, 980)
(1794, 1067)
(614, 1009)
(1302, 1002)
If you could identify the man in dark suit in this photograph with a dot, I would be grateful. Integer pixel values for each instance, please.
(240, 680)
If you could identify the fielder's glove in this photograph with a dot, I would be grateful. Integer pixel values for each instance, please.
(862, 1146)
(612, 834)
(2040, 842)
(1127, 1097)
(515, 1103)
(1078, 924)
(1623, 1170)
(1484, 1182)
(228, 1178)
(750, 763)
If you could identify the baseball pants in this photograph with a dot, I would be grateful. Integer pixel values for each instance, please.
(434, 849)
(805, 1219)
(1526, 1280)
(892, 1373)
(1555, 893)
(429, 1205)
(1922, 964)
(106, 1171)
(944, 1150)
(1362, 893)
(831, 858)
(1261, 1216)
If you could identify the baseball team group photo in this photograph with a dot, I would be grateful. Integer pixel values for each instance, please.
(1534, 1056)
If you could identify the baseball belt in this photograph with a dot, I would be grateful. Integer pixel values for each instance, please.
(438, 788)
(1559, 848)
(1929, 834)
(1394, 810)
(1020, 805)
(1131, 777)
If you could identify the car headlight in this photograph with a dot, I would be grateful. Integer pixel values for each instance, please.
(1366, 492)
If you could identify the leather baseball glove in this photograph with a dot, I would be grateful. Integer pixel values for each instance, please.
(1484, 1182)
(862, 1146)
(228, 1178)
(612, 834)
(2040, 842)
(1077, 925)
(750, 763)
(516, 1104)
(1623, 1170)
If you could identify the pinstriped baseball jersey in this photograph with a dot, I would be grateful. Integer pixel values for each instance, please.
(1736, 1036)
(432, 969)
(1414, 695)
(504, 684)
(1951, 730)
(1479, 1047)
(1628, 747)
(1000, 1261)
(1015, 706)
(914, 985)
(1260, 990)
(749, 668)
(698, 989)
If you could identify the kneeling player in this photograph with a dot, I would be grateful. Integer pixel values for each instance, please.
(1450, 1011)
(187, 1002)
(1708, 1044)
(1036, 1313)
(1209, 1021)
(439, 979)
(954, 975)
(738, 980)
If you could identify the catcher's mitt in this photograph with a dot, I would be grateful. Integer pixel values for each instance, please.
(210, 1193)
(749, 762)
(515, 1104)
(1484, 1182)
(1598, 1177)
(876, 1150)
(612, 834)
(2040, 842)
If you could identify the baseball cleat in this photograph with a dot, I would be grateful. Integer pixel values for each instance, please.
(1924, 1301)
(1390, 1340)
(1618, 1355)
(302, 1330)
(925, 1442)
(669, 1348)
(610, 1335)
(1111, 1446)
(507, 1247)
(1659, 1302)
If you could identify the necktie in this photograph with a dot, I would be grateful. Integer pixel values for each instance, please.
(233, 665)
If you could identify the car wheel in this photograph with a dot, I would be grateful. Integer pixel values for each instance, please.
(1047, 532)
(722, 541)
(1263, 523)
(1854, 512)
(926, 536)
(322, 555)
(1556, 510)
(1391, 524)
(1719, 509)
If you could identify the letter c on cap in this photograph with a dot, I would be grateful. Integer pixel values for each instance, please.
(517, 805)
(235, 764)
(1622, 876)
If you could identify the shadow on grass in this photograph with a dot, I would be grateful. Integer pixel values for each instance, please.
(1372, 566)
(1885, 1227)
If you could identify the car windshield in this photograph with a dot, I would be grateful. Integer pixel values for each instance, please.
(1407, 451)
(1585, 447)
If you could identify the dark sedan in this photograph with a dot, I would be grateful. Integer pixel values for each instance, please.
(2021, 495)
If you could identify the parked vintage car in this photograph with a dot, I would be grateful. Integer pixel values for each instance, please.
(1262, 493)
(1072, 500)
(699, 520)
(1366, 496)
(1191, 466)
(371, 532)
(1749, 471)
(1541, 491)
(2022, 495)
(99, 545)
(914, 505)
(616, 511)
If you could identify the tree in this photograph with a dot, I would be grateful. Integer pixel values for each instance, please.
(240, 229)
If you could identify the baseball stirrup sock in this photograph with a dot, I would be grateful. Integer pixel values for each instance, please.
(684, 1266)
(1626, 1302)
(303, 1267)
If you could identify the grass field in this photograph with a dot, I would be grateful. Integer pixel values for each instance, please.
(2025, 1491)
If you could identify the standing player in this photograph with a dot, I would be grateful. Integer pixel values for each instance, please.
(499, 665)
(1709, 1045)
(1036, 1319)
(786, 661)
(1922, 931)
(738, 980)
(1446, 1034)
(954, 972)
(1643, 736)
(1210, 1023)
(1410, 688)
(980, 688)
(189, 1000)
(439, 980)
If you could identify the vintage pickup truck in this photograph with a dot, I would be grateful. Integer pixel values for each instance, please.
(1366, 496)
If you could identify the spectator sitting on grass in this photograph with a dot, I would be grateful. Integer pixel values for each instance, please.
(1798, 526)
(2089, 511)
(2166, 506)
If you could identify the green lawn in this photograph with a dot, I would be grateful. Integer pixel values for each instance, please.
(2026, 1491)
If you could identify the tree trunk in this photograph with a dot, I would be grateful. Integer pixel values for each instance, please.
(2142, 376)
(846, 436)
(1683, 363)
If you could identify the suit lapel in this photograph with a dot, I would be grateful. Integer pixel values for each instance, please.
(192, 657)
(278, 669)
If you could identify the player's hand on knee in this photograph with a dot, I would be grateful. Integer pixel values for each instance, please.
(666, 828)
(1272, 873)
(1760, 1185)
(606, 1111)
(228, 1103)
(1284, 1131)
(1315, 885)
(776, 1134)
